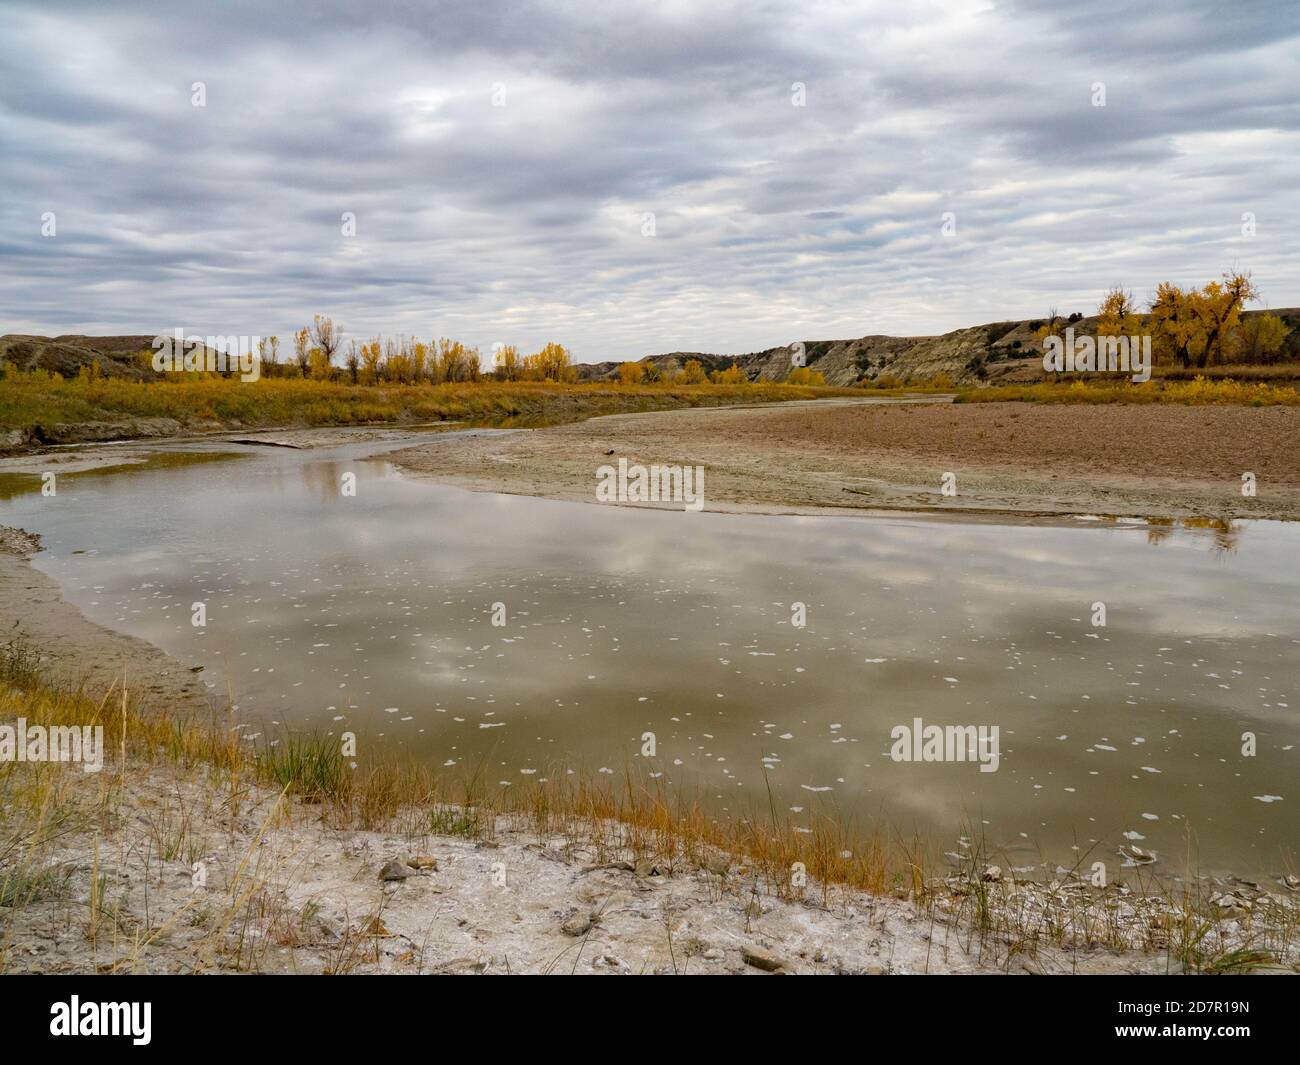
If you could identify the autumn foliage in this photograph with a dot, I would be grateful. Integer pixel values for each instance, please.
(1194, 327)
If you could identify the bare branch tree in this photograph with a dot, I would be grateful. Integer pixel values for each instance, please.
(326, 336)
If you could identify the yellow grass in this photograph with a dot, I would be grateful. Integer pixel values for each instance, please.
(1200, 390)
(209, 401)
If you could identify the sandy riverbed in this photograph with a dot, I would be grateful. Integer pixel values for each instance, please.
(1017, 459)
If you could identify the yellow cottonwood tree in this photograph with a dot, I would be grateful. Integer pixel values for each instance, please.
(300, 353)
(552, 363)
(509, 366)
(1259, 338)
(1197, 325)
(370, 356)
(1117, 315)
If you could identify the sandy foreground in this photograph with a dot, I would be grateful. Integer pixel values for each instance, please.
(282, 892)
(1010, 459)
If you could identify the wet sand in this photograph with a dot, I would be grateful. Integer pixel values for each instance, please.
(74, 649)
(1023, 460)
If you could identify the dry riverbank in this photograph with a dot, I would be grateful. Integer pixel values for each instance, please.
(185, 886)
(1021, 459)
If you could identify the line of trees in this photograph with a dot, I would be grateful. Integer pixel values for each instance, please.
(1194, 327)
(406, 360)
(692, 373)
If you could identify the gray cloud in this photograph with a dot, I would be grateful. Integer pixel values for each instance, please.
(523, 223)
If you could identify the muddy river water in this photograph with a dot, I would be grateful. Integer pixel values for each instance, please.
(511, 636)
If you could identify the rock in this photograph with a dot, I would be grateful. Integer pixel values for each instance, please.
(394, 871)
(19, 541)
(1135, 854)
(460, 967)
(761, 959)
(718, 864)
(1231, 904)
(577, 925)
(98, 432)
(713, 954)
(609, 961)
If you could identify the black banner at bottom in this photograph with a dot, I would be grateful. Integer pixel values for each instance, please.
(150, 1014)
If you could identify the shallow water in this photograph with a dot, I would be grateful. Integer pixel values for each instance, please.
(374, 614)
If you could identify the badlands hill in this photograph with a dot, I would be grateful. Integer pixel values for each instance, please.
(997, 353)
(66, 355)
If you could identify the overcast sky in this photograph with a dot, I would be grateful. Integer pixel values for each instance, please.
(527, 222)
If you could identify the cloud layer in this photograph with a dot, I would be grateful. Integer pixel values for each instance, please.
(501, 160)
